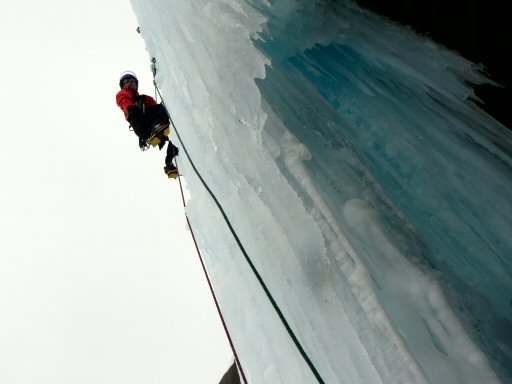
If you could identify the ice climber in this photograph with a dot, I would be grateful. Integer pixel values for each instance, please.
(147, 118)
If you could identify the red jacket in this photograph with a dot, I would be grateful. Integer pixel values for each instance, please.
(127, 97)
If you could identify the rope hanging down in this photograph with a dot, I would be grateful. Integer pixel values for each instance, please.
(242, 249)
(224, 325)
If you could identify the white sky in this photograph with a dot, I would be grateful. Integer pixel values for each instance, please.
(99, 280)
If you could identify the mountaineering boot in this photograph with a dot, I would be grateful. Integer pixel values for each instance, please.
(158, 133)
(171, 171)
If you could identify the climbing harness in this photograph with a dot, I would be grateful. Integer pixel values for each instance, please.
(242, 249)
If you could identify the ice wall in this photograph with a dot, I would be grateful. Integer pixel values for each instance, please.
(370, 193)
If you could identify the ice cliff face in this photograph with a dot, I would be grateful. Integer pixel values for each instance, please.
(371, 195)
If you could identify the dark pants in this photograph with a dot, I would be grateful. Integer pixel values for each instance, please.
(172, 151)
(142, 124)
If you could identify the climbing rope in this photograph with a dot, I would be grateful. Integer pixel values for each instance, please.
(224, 325)
(242, 249)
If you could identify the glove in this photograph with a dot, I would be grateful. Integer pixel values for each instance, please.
(143, 145)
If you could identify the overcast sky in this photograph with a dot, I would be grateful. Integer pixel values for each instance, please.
(99, 280)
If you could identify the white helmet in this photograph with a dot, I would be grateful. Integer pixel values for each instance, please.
(126, 76)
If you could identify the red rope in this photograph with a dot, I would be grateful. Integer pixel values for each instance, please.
(209, 282)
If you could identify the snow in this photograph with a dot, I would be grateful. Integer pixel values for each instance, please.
(370, 193)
